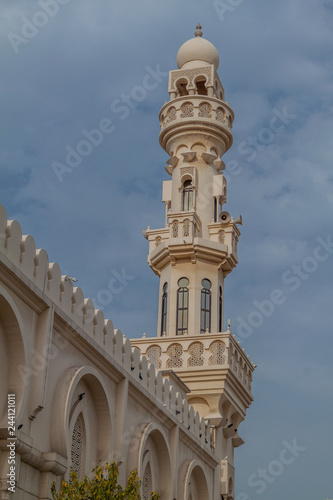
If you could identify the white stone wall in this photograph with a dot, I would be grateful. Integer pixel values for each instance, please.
(55, 347)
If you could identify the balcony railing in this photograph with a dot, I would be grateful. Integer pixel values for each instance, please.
(220, 351)
(200, 108)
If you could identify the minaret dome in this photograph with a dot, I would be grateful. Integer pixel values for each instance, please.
(197, 52)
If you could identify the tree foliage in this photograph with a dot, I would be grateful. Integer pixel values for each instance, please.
(102, 486)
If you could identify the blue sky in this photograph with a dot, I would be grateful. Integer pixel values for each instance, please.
(72, 73)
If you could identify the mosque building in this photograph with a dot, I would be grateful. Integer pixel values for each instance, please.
(169, 406)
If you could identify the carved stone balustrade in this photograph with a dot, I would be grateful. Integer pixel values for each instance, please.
(211, 114)
(217, 360)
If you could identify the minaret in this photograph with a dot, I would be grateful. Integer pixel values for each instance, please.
(195, 251)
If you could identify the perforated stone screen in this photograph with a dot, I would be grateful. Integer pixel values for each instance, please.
(175, 352)
(77, 448)
(146, 483)
(196, 350)
(218, 353)
(153, 354)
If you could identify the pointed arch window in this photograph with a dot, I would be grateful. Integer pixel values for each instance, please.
(164, 308)
(182, 306)
(205, 317)
(187, 196)
(220, 309)
(147, 483)
(78, 447)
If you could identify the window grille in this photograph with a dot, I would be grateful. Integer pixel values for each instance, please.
(175, 352)
(77, 448)
(153, 354)
(220, 114)
(186, 227)
(205, 110)
(221, 236)
(196, 351)
(146, 483)
(171, 115)
(186, 110)
(217, 349)
(175, 229)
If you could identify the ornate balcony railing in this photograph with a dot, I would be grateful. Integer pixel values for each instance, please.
(219, 351)
(196, 107)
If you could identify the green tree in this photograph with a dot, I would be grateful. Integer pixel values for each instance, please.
(103, 486)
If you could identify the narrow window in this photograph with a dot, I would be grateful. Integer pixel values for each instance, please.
(220, 309)
(215, 210)
(205, 305)
(147, 483)
(77, 448)
(187, 196)
(182, 306)
(164, 308)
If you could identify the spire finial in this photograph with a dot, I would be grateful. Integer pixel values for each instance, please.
(198, 31)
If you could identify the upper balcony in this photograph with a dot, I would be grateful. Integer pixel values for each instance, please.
(181, 239)
(197, 115)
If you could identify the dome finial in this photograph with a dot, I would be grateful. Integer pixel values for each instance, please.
(198, 32)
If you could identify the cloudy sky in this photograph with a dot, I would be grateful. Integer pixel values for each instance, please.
(78, 65)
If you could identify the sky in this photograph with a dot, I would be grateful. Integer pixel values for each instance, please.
(71, 67)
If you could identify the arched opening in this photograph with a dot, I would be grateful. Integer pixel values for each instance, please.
(78, 448)
(220, 309)
(230, 488)
(201, 88)
(187, 195)
(164, 309)
(182, 87)
(155, 463)
(206, 299)
(182, 306)
(14, 372)
(196, 484)
(82, 411)
(147, 486)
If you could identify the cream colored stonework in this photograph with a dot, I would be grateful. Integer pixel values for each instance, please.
(168, 406)
(197, 244)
